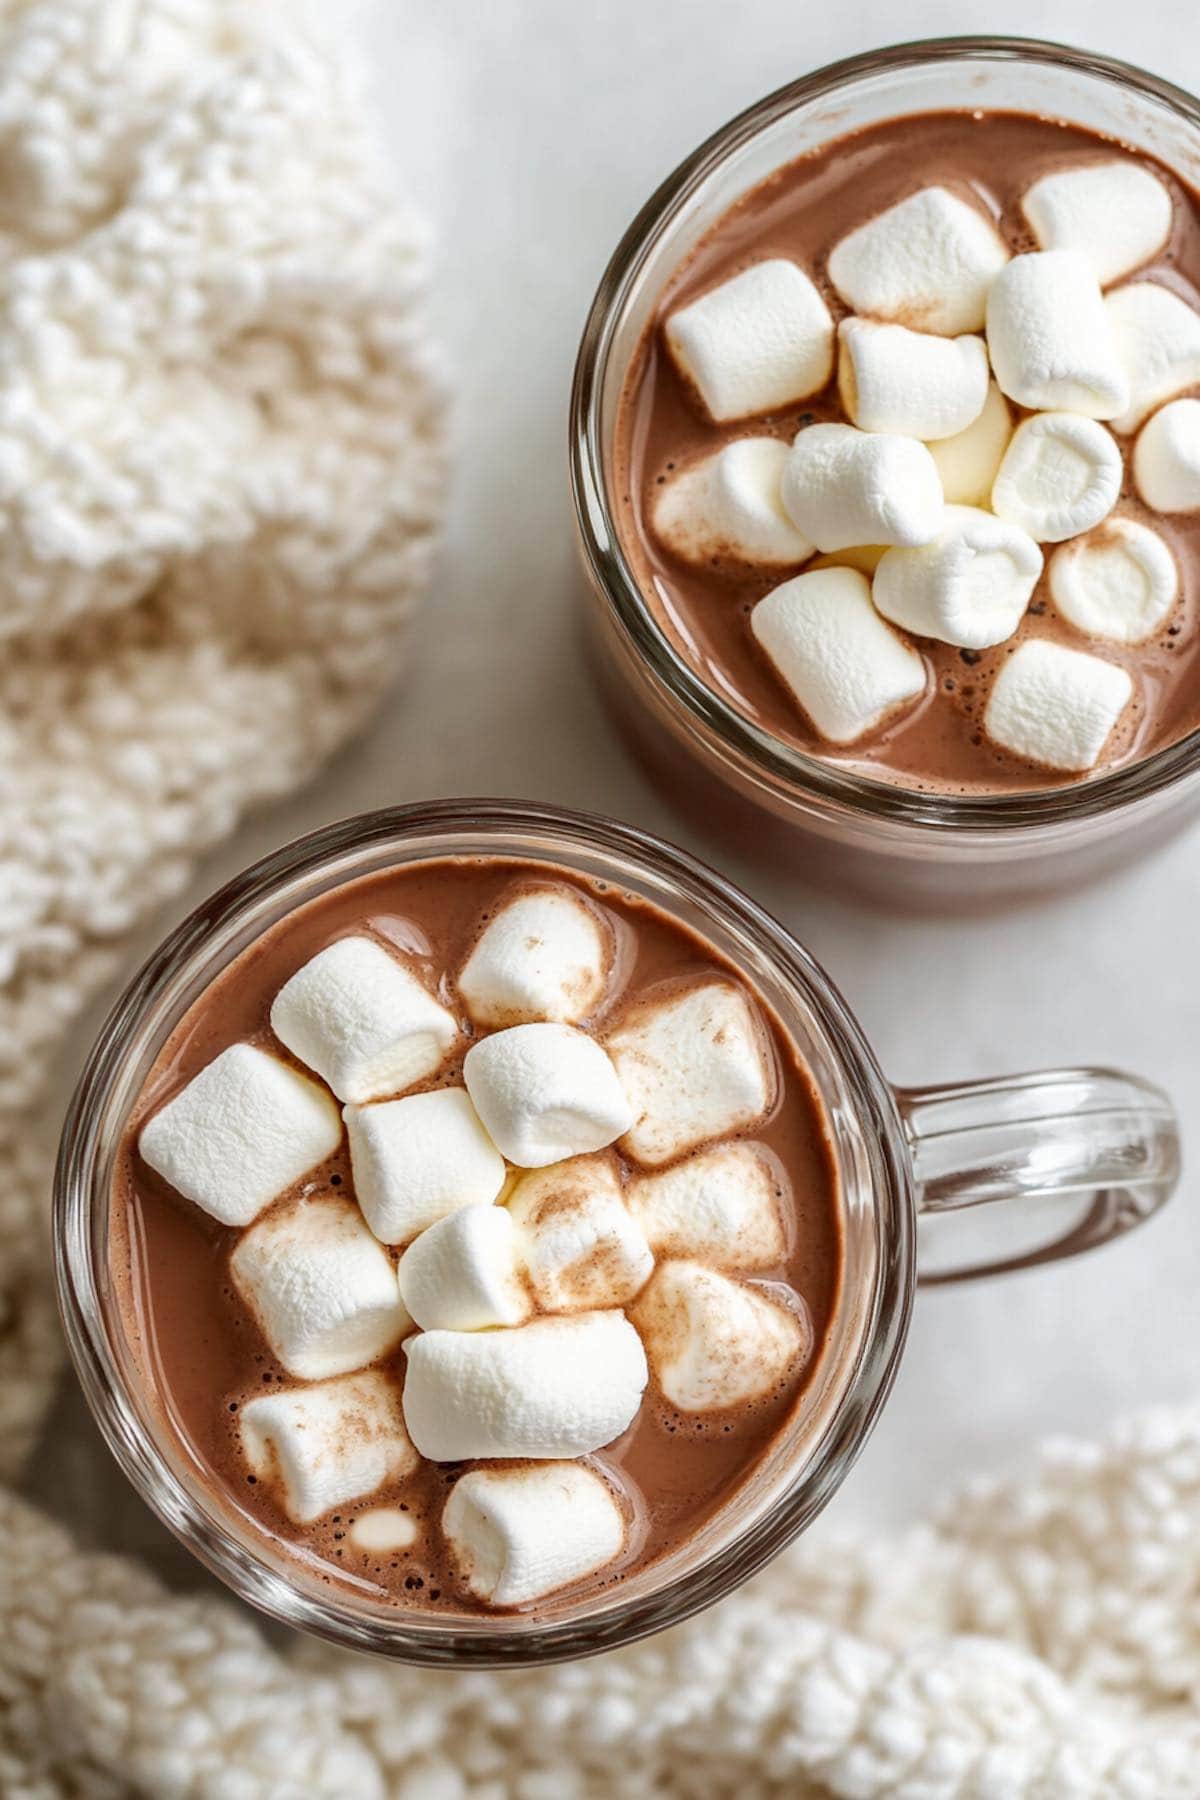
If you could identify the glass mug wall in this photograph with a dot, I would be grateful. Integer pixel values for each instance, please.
(713, 760)
(1079, 1155)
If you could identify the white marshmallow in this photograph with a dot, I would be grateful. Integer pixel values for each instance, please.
(544, 955)
(1166, 459)
(1158, 341)
(519, 1534)
(545, 1092)
(581, 1246)
(729, 505)
(1050, 339)
(756, 342)
(556, 1387)
(362, 1020)
(866, 558)
(329, 1443)
(842, 486)
(1054, 706)
(967, 464)
(462, 1274)
(384, 1529)
(1119, 582)
(715, 1343)
(894, 379)
(721, 1207)
(1115, 214)
(969, 587)
(926, 262)
(322, 1289)
(418, 1158)
(845, 667)
(241, 1132)
(1060, 475)
(695, 1066)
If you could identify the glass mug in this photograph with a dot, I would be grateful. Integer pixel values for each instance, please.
(1086, 1154)
(836, 822)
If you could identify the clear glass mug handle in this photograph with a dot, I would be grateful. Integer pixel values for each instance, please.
(1077, 1156)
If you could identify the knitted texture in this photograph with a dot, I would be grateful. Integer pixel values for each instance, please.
(219, 474)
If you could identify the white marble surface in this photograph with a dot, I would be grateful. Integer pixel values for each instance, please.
(532, 131)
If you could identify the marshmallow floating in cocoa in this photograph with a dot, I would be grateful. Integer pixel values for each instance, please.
(581, 1247)
(1056, 706)
(722, 1207)
(543, 955)
(545, 1092)
(519, 1534)
(557, 1387)
(463, 1273)
(418, 1158)
(362, 1020)
(910, 382)
(1116, 215)
(1119, 581)
(243, 1131)
(756, 342)
(927, 262)
(321, 1287)
(1166, 459)
(1051, 339)
(328, 1443)
(714, 1343)
(846, 668)
(842, 487)
(1060, 475)
(970, 586)
(695, 1066)
(729, 504)
(1157, 337)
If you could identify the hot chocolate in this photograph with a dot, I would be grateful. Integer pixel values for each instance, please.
(905, 465)
(476, 1234)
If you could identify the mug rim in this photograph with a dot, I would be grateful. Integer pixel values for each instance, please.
(799, 773)
(201, 1526)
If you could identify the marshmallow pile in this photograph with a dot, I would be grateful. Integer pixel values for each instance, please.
(547, 1214)
(982, 395)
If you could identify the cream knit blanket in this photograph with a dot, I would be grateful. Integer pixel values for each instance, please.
(219, 469)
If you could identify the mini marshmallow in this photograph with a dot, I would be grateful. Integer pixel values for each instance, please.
(721, 1207)
(462, 1274)
(1061, 474)
(842, 486)
(967, 464)
(327, 1444)
(694, 1066)
(715, 1343)
(926, 262)
(866, 558)
(581, 1246)
(969, 587)
(1054, 706)
(758, 341)
(1166, 459)
(362, 1020)
(418, 1158)
(242, 1131)
(897, 380)
(321, 1288)
(1050, 338)
(1115, 214)
(546, 1092)
(543, 955)
(728, 505)
(519, 1534)
(845, 667)
(556, 1387)
(1119, 582)
(382, 1530)
(1157, 336)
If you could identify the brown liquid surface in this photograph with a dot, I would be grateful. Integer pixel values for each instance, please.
(801, 212)
(202, 1355)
